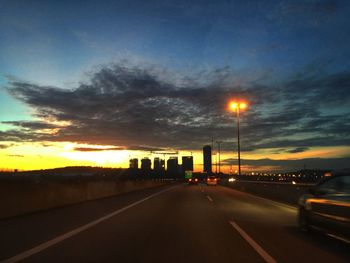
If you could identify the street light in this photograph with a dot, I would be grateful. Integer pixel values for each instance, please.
(238, 106)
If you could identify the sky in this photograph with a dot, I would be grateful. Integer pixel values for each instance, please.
(99, 82)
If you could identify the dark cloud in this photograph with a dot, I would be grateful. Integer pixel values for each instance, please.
(22, 136)
(145, 148)
(148, 109)
(298, 150)
(301, 143)
(5, 146)
(31, 125)
(89, 149)
(15, 155)
(134, 148)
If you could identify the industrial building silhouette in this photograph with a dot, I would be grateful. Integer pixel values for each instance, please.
(207, 164)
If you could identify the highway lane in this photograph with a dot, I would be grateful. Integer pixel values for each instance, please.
(22, 232)
(273, 226)
(184, 224)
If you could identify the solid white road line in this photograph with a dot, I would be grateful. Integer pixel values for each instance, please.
(209, 198)
(76, 231)
(276, 203)
(255, 245)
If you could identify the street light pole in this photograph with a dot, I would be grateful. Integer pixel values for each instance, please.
(219, 150)
(238, 144)
(237, 106)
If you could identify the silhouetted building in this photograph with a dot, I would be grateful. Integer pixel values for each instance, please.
(156, 163)
(172, 166)
(162, 164)
(145, 164)
(134, 163)
(207, 159)
(187, 163)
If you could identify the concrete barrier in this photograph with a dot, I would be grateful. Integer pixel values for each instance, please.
(282, 192)
(25, 197)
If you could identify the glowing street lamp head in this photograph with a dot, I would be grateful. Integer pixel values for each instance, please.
(243, 105)
(233, 105)
(237, 105)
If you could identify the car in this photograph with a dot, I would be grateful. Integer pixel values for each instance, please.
(193, 181)
(326, 207)
(231, 180)
(212, 180)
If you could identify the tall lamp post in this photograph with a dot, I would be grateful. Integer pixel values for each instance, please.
(219, 143)
(237, 107)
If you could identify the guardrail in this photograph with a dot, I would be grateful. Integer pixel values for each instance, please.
(287, 192)
(30, 196)
(276, 183)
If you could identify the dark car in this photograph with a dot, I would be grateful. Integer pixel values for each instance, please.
(193, 181)
(326, 207)
(212, 180)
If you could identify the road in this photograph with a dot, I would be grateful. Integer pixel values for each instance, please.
(167, 224)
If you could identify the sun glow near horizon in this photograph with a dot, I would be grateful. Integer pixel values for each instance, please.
(32, 156)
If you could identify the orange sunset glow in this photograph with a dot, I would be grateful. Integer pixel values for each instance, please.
(31, 156)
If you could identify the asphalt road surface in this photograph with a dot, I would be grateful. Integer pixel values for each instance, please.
(168, 224)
